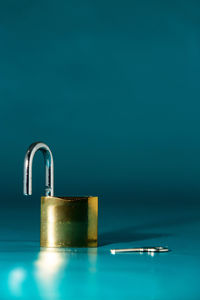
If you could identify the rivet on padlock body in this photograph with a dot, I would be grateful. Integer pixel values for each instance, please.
(65, 221)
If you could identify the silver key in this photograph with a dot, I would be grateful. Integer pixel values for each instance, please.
(144, 249)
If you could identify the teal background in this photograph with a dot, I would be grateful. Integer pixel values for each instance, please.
(113, 88)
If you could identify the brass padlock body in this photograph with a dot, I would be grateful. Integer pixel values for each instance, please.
(69, 221)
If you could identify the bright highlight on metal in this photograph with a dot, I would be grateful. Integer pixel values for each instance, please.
(49, 168)
(144, 249)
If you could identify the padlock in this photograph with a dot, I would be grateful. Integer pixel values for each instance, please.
(65, 221)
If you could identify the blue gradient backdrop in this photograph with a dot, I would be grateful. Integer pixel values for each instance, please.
(112, 88)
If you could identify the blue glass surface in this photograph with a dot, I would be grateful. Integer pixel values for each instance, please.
(28, 272)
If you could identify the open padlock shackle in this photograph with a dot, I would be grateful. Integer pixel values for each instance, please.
(49, 168)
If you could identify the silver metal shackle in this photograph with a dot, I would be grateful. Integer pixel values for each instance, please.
(49, 168)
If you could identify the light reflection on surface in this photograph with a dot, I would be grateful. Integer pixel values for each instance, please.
(48, 268)
(49, 262)
(54, 268)
(152, 254)
(15, 280)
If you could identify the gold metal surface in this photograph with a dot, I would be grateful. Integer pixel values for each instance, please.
(69, 221)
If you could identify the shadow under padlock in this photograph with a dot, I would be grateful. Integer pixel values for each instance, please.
(65, 221)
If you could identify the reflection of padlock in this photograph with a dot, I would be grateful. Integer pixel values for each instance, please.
(65, 221)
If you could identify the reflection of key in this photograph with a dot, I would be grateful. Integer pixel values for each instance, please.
(144, 249)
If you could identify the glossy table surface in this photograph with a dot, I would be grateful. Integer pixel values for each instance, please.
(28, 272)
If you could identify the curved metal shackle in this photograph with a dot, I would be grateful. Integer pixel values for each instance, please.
(49, 168)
